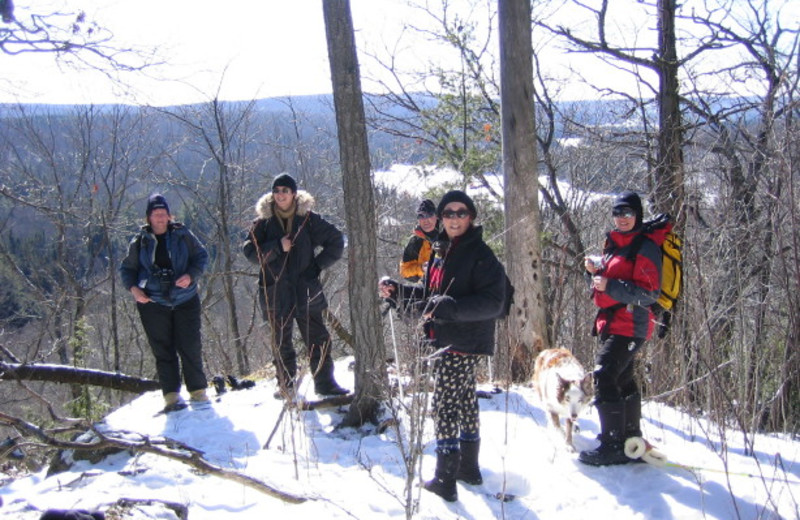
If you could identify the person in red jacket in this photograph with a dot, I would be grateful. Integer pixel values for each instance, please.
(624, 282)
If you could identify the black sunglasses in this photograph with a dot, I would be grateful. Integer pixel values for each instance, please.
(425, 215)
(461, 213)
(623, 212)
(281, 190)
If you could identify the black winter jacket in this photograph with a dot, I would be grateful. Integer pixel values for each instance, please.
(291, 280)
(471, 298)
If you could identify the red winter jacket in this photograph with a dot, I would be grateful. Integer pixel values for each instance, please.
(633, 285)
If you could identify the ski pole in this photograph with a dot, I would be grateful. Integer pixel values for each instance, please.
(396, 357)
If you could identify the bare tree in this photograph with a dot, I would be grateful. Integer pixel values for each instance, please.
(746, 122)
(667, 165)
(63, 241)
(221, 136)
(70, 36)
(522, 228)
(371, 377)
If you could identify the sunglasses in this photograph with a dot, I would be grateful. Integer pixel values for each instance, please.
(281, 190)
(623, 212)
(461, 213)
(422, 216)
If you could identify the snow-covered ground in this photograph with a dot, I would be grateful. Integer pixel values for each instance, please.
(350, 473)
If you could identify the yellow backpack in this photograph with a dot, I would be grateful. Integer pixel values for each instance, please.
(671, 271)
(659, 230)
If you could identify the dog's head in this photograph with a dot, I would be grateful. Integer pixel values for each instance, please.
(575, 394)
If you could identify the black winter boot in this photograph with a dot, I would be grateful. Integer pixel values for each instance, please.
(612, 443)
(633, 418)
(444, 481)
(633, 415)
(469, 470)
(322, 370)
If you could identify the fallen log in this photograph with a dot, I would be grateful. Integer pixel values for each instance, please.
(71, 375)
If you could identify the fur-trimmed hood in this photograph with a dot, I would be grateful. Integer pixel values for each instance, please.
(305, 203)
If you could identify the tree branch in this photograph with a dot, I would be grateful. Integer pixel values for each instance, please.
(164, 447)
(71, 375)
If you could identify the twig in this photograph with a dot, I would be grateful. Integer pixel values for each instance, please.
(693, 381)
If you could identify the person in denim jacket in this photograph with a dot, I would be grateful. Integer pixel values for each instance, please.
(161, 270)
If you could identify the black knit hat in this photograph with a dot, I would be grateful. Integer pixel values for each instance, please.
(286, 180)
(630, 199)
(426, 209)
(456, 196)
(156, 201)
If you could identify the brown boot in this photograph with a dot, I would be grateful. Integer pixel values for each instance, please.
(173, 402)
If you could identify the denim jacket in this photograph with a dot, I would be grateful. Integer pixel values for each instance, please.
(187, 254)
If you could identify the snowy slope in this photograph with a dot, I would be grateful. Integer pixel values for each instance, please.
(359, 474)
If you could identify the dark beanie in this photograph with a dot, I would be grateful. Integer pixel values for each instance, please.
(457, 196)
(284, 179)
(156, 201)
(630, 199)
(426, 207)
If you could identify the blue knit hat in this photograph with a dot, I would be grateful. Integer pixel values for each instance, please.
(156, 201)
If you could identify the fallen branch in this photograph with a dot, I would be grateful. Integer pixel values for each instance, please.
(72, 375)
(163, 447)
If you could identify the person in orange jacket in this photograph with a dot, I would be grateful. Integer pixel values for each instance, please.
(418, 249)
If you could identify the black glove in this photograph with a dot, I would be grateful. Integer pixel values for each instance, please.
(440, 306)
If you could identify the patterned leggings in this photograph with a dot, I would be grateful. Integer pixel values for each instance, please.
(455, 404)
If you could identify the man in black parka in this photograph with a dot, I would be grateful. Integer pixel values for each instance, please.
(282, 241)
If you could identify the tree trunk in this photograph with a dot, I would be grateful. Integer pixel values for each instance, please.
(76, 376)
(370, 376)
(527, 324)
(669, 189)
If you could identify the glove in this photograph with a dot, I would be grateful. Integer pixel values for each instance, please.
(441, 306)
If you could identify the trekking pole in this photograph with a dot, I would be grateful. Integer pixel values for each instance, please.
(277, 423)
(396, 357)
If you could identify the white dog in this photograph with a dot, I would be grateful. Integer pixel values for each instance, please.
(564, 387)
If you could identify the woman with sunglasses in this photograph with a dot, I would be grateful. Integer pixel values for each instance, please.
(623, 289)
(283, 241)
(462, 294)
